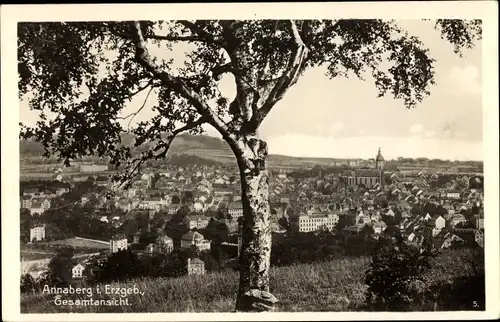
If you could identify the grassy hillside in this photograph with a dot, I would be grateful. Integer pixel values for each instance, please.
(320, 286)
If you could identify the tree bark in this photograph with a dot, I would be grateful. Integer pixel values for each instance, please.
(255, 256)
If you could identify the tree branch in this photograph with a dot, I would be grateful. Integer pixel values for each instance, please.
(140, 89)
(134, 165)
(139, 110)
(144, 58)
(177, 38)
(207, 37)
(173, 134)
(289, 77)
(219, 70)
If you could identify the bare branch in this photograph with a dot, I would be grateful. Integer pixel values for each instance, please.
(138, 111)
(144, 58)
(289, 77)
(140, 89)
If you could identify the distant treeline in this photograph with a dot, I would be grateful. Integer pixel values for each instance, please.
(188, 159)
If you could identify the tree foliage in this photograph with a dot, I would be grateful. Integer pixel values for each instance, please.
(395, 276)
(85, 73)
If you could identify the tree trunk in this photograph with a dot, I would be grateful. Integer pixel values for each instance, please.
(255, 256)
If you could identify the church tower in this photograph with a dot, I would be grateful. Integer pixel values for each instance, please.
(379, 165)
(379, 161)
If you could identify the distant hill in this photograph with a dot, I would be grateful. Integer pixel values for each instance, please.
(216, 150)
(203, 146)
(181, 144)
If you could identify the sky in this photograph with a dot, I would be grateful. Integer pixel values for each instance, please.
(343, 118)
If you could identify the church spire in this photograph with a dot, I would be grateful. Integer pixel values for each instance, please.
(379, 155)
(379, 165)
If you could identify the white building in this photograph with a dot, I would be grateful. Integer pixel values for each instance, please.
(39, 206)
(165, 244)
(313, 222)
(77, 271)
(235, 210)
(196, 221)
(37, 233)
(194, 238)
(118, 243)
(195, 266)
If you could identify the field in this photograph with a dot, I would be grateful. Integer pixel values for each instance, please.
(47, 250)
(325, 286)
(33, 255)
(78, 243)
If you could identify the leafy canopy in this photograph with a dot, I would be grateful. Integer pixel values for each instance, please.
(81, 75)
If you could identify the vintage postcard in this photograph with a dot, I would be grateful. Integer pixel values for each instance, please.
(271, 161)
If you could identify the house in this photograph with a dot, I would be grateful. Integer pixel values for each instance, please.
(195, 266)
(363, 219)
(235, 210)
(46, 204)
(196, 221)
(313, 222)
(172, 209)
(479, 221)
(439, 223)
(37, 233)
(36, 208)
(450, 239)
(379, 227)
(77, 270)
(458, 218)
(26, 202)
(194, 238)
(155, 203)
(479, 237)
(30, 192)
(197, 206)
(219, 181)
(118, 243)
(206, 183)
(453, 195)
(165, 244)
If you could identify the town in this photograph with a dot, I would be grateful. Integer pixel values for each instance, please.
(197, 208)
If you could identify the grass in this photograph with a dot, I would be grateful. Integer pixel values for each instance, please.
(78, 243)
(321, 286)
(31, 256)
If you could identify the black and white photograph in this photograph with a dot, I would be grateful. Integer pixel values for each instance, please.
(263, 161)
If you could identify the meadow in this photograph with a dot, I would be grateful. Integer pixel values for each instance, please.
(336, 285)
(78, 243)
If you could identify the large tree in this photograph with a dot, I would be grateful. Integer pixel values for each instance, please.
(86, 73)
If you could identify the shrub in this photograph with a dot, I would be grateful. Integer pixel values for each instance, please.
(395, 277)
